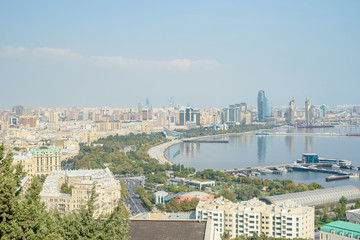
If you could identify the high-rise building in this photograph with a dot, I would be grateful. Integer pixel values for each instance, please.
(234, 114)
(139, 108)
(323, 111)
(261, 103)
(189, 115)
(265, 108)
(291, 112)
(17, 110)
(307, 111)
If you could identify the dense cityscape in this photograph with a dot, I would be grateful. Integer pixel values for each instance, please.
(74, 150)
(179, 120)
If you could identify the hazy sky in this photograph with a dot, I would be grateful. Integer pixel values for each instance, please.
(202, 53)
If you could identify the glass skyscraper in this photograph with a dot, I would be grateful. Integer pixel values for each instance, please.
(265, 108)
(261, 104)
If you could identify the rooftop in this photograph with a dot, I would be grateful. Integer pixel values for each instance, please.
(345, 227)
(167, 230)
(195, 194)
(102, 177)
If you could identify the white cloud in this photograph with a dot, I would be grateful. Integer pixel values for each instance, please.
(41, 52)
(104, 61)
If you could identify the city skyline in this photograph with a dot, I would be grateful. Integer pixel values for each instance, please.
(202, 54)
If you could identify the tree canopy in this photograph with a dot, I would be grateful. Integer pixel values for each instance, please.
(23, 215)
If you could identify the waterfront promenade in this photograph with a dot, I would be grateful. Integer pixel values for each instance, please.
(158, 152)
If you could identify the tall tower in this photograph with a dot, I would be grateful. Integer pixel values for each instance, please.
(291, 114)
(323, 111)
(307, 112)
(268, 108)
(171, 103)
(261, 106)
(147, 103)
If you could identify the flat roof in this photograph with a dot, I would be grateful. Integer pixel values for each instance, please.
(167, 230)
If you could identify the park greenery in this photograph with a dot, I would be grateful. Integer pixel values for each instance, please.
(23, 215)
(337, 212)
(108, 152)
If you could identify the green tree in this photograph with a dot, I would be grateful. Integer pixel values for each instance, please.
(340, 210)
(357, 203)
(226, 193)
(117, 225)
(22, 216)
(34, 220)
(65, 189)
(324, 215)
(172, 206)
(10, 190)
(160, 206)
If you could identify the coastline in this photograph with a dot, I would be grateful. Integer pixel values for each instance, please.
(158, 152)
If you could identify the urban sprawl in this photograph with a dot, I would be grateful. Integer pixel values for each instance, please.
(119, 153)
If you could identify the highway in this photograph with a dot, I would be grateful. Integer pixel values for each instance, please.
(133, 200)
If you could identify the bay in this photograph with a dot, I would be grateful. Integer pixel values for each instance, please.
(250, 150)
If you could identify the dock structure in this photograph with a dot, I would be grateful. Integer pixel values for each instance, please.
(251, 169)
(336, 174)
(205, 141)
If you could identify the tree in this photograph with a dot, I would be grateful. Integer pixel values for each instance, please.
(117, 225)
(226, 193)
(160, 207)
(34, 220)
(324, 215)
(10, 190)
(340, 210)
(21, 217)
(357, 203)
(172, 206)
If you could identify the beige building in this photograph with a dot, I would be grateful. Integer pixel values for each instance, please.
(40, 162)
(107, 126)
(108, 190)
(284, 220)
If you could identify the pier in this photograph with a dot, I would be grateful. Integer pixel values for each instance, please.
(320, 167)
(205, 141)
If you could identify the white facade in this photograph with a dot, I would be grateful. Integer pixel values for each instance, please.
(285, 220)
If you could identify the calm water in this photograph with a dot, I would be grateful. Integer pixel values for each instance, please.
(252, 150)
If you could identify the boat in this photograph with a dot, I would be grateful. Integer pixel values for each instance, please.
(355, 168)
(335, 166)
(353, 134)
(298, 167)
(354, 176)
(281, 169)
(265, 170)
(312, 167)
(262, 134)
(340, 172)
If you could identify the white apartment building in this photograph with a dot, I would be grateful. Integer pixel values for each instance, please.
(284, 220)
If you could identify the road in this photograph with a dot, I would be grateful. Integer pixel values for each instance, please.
(133, 200)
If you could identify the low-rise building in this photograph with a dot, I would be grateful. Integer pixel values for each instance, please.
(81, 182)
(318, 198)
(202, 196)
(40, 161)
(283, 220)
(340, 230)
(353, 216)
